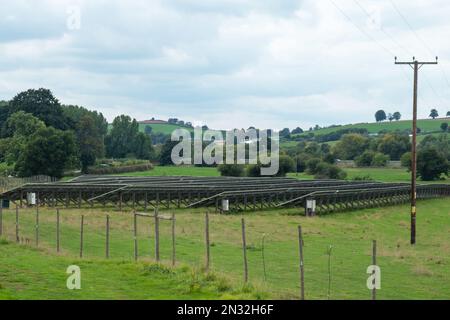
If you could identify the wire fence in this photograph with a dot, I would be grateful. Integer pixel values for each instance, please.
(233, 245)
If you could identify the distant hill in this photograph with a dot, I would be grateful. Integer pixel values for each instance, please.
(426, 126)
(165, 128)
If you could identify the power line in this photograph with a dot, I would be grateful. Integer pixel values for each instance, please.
(381, 28)
(427, 47)
(361, 29)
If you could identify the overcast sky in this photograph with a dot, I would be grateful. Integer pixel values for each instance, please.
(229, 63)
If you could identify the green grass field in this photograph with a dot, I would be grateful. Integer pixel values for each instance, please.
(419, 272)
(377, 174)
(28, 273)
(176, 171)
(162, 127)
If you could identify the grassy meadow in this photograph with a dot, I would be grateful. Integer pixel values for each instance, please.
(419, 272)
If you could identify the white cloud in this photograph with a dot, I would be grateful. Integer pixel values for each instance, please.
(227, 63)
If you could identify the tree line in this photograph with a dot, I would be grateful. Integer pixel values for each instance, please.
(39, 135)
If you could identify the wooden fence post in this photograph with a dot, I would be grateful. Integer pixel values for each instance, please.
(107, 237)
(156, 235)
(81, 236)
(208, 253)
(173, 239)
(302, 274)
(374, 263)
(17, 223)
(135, 237)
(244, 248)
(57, 231)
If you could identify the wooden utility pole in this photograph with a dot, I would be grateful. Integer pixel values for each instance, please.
(415, 65)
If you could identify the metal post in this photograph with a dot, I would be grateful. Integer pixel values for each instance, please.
(135, 237)
(57, 231)
(302, 273)
(81, 236)
(173, 239)
(17, 223)
(107, 237)
(208, 254)
(244, 248)
(156, 235)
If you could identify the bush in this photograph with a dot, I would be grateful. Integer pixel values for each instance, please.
(365, 159)
(120, 169)
(325, 170)
(311, 165)
(405, 160)
(380, 160)
(431, 163)
(231, 170)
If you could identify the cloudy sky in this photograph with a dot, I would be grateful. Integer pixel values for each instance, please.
(229, 63)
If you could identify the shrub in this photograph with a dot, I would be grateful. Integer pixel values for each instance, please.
(120, 169)
(380, 160)
(231, 170)
(325, 170)
(365, 159)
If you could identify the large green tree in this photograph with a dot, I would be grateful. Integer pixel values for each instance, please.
(380, 115)
(394, 145)
(90, 142)
(48, 151)
(22, 125)
(124, 139)
(431, 164)
(350, 146)
(43, 105)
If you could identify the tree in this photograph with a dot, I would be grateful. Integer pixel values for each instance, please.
(394, 145)
(448, 113)
(431, 164)
(90, 142)
(285, 132)
(325, 170)
(143, 147)
(390, 117)
(124, 139)
(434, 113)
(48, 151)
(22, 125)
(297, 130)
(380, 115)
(148, 129)
(397, 115)
(165, 157)
(380, 160)
(43, 105)
(365, 159)
(350, 146)
(444, 126)
(286, 164)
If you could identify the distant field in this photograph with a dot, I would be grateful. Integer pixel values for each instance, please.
(176, 171)
(162, 128)
(419, 272)
(426, 125)
(378, 174)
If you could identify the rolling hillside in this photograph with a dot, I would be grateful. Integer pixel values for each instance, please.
(426, 125)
